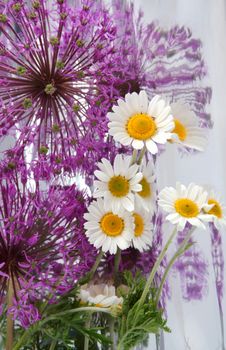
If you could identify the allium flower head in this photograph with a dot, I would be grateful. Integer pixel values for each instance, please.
(41, 239)
(52, 62)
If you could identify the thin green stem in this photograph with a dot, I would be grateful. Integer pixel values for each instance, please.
(40, 324)
(117, 262)
(87, 326)
(112, 332)
(79, 309)
(91, 273)
(153, 272)
(53, 344)
(22, 340)
(134, 157)
(123, 326)
(142, 153)
(178, 253)
(9, 320)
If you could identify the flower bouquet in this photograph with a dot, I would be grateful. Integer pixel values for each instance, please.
(90, 96)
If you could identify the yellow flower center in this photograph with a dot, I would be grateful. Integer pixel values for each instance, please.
(216, 210)
(139, 225)
(180, 130)
(118, 186)
(186, 207)
(141, 126)
(146, 188)
(112, 225)
(99, 305)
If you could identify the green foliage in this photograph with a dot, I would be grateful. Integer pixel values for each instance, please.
(62, 329)
(137, 322)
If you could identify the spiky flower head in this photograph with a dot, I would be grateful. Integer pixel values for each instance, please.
(53, 69)
(41, 239)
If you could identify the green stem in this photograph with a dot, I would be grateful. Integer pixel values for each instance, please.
(22, 340)
(53, 344)
(134, 157)
(87, 326)
(142, 153)
(123, 326)
(117, 262)
(40, 324)
(178, 253)
(91, 273)
(79, 309)
(153, 272)
(9, 320)
(112, 332)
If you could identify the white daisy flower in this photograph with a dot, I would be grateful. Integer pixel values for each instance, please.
(139, 123)
(108, 229)
(100, 295)
(217, 212)
(143, 231)
(185, 204)
(118, 183)
(146, 197)
(186, 131)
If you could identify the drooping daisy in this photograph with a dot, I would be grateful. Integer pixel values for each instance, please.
(186, 131)
(100, 295)
(146, 197)
(139, 123)
(217, 212)
(108, 229)
(143, 231)
(118, 183)
(185, 204)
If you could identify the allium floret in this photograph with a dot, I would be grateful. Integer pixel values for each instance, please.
(41, 239)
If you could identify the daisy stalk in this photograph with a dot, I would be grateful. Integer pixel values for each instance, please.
(87, 326)
(181, 249)
(117, 262)
(153, 272)
(91, 273)
(112, 332)
(141, 155)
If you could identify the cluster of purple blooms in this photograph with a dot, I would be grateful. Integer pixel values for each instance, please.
(61, 70)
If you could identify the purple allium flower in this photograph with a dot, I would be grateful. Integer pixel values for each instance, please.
(62, 68)
(43, 248)
(53, 69)
(193, 270)
(13, 163)
(160, 61)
